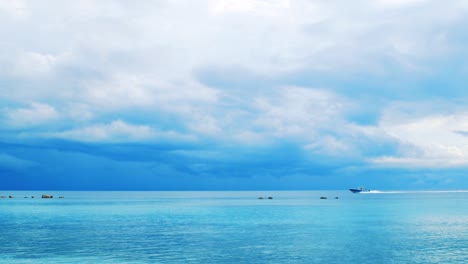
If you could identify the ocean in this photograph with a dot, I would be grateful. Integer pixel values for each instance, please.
(234, 227)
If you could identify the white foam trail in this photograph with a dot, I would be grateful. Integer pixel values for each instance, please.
(441, 191)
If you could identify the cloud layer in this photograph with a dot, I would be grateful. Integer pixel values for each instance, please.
(344, 88)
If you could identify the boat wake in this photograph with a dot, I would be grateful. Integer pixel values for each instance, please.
(389, 192)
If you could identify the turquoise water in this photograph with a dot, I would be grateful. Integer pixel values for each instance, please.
(234, 227)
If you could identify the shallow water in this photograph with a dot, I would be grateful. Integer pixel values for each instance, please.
(235, 227)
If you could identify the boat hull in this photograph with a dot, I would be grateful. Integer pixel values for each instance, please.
(359, 190)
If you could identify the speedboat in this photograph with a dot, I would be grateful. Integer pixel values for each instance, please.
(359, 190)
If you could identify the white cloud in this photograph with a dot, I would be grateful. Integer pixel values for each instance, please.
(173, 39)
(207, 125)
(140, 91)
(427, 139)
(112, 44)
(399, 3)
(35, 114)
(314, 118)
(298, 111)
(79, 112)
(118, 131)
(250, 137)
(32, 64)
(422, 162)
(19, 9)
(258, 7)
(329, 145)
(110, 57)
(109, 132)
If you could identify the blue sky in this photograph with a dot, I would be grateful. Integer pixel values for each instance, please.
(233, 95)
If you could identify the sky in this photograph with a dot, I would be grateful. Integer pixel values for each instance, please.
(233, 94)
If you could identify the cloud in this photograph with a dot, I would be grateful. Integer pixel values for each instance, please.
(262, 117)
(122, 91)
(329, 145)
(256, 7)
(298, 110)
(172, 39)
(148, 54)
(399, 3)
(18, 9)
(418, 163)
(427, 139)
(36, 114)
(117, 131)
(32, 64)
(234, 75)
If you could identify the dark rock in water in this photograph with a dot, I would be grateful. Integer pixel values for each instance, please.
(11, 196)
(337, 197)
(260, 198)
(323, 197)
(47, 196)
(61, 197)
(32, 196)
(26, 197)
(2, 196)
(269, 198)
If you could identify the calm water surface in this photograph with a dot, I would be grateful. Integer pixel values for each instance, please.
(234, 227)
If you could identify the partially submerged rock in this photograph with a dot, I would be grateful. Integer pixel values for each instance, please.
(260, 198)
(11, 196)
(323, 197)
(46, 196)
(269, 198)
(61, 197)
